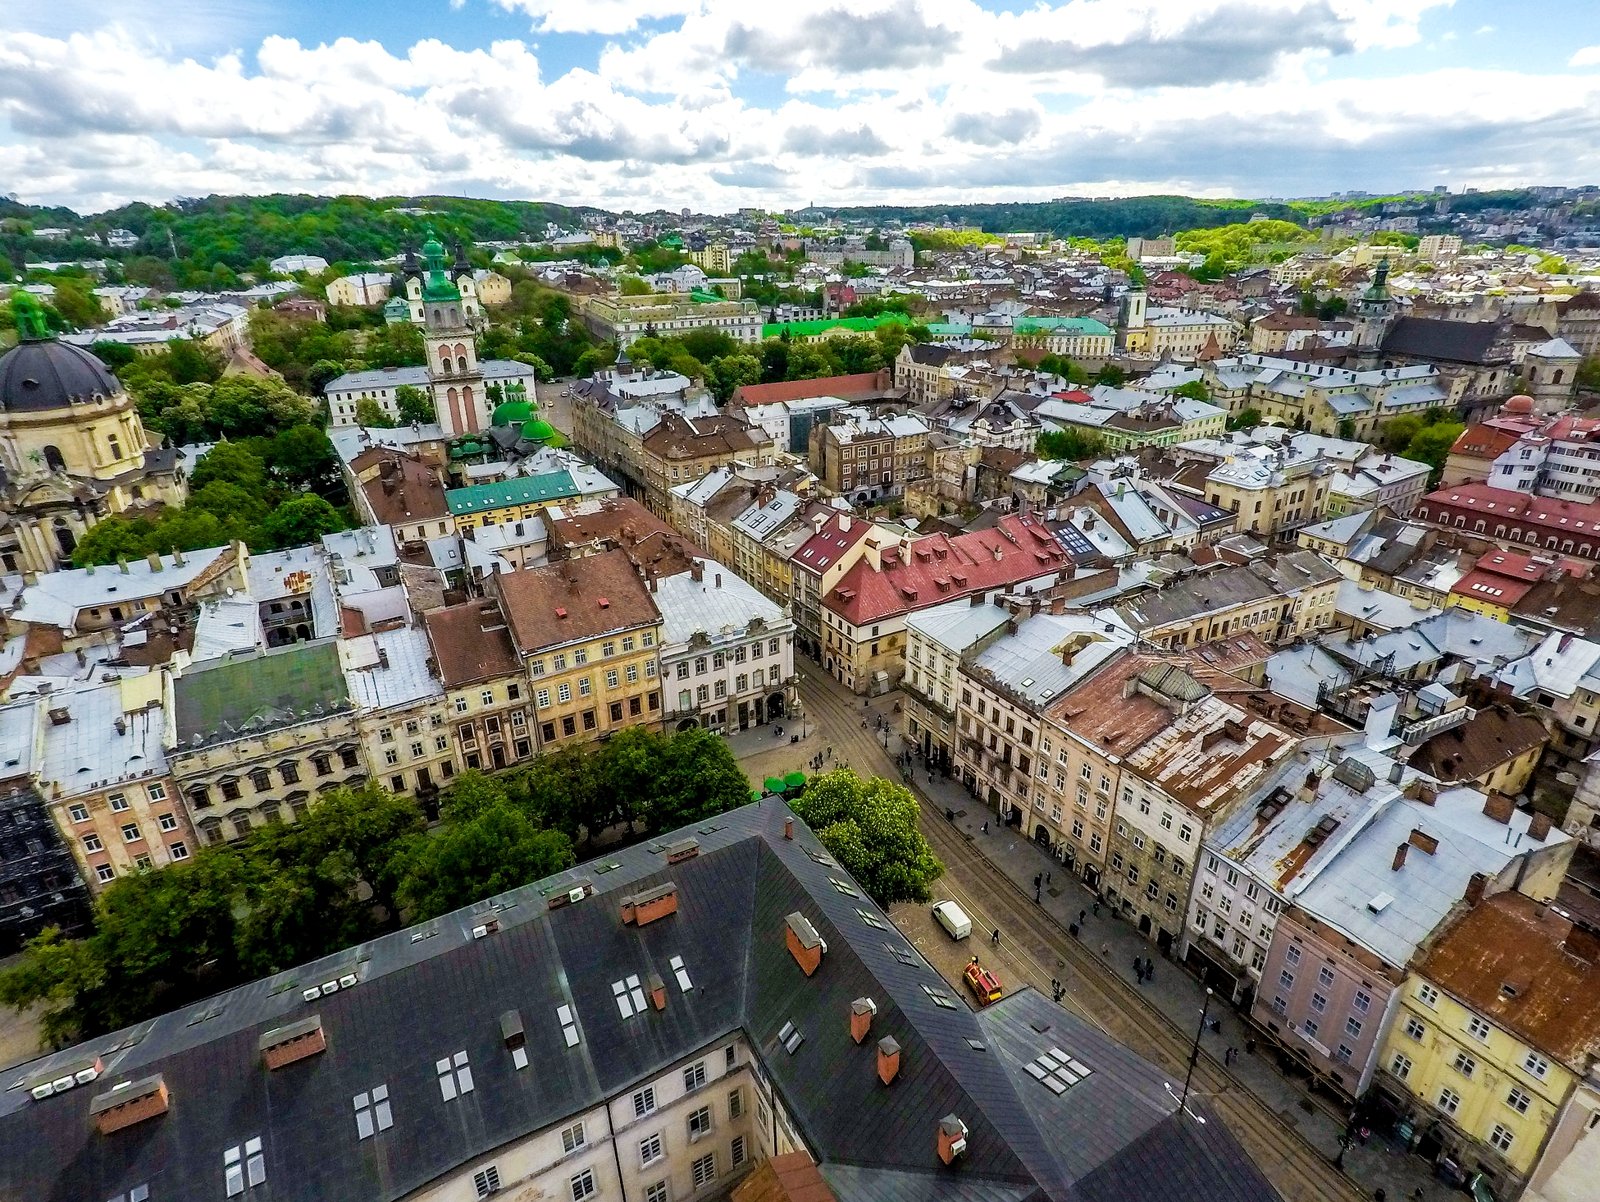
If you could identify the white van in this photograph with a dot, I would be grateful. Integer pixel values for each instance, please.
(953, 919)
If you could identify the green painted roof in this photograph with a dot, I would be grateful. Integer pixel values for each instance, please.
(859, 325)
(524, 490)
(538, 430)
(219, 699)
(1073, 325)
(949, 329)
(511, 413)
(706, 298)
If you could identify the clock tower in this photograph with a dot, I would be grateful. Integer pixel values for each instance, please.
(453, 373)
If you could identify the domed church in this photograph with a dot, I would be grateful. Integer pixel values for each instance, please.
(72, 448)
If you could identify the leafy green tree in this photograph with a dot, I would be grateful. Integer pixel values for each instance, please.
(707, 344)
(414, 404)
(870, 827)
(114, 355)
(1245, 419)
(1194, 390)
(1069, 444)
(1398, 432)
(727, 375)
(300, 520)
(696, 777)
(320, 373)
(303, 458)
(495, 850)
(632, 285)
(596, 358)
(1111, 374)
(1588, 375)
(1347, 428)
(76, 302)
(55, 973)
(1432, 444)
(191, 362)
(370, 413)
(232, 463)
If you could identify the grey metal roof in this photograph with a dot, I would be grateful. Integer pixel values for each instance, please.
(435, 991)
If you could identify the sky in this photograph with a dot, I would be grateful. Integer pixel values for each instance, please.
(718, 104)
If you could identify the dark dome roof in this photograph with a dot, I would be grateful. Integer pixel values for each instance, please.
(37, 375)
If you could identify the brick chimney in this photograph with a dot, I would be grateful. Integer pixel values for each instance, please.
(788, 828)
(861, 1012)
(658, 991)
(130, 1102)
(1476, 885)
(1423, 842)
(285, 1045)
(643, 908)
(805, 945)
(1539, 827)
(1399, 857)
(1499, 807)
(952, 1138)
(888, 1059)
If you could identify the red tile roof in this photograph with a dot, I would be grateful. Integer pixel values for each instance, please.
(823, 549)
(1548, 514)
(940, 568)
(574, 599)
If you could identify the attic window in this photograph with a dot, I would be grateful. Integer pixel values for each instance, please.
(630, 996)
(790, 1037)
(372, 1112)
(871, 919)
(844, 887)
(1057, 1071)
(682, 973)
(1508, 990)
(902, 954)
(569, 1025)
(239, 1170)
(819, 858)
(938, 998)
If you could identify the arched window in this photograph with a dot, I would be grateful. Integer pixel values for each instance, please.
(66, 541)
(461, 364)
(53, 459)
(1557, 377)
(461, 348)
(444, 358)
(452, 396)
(466, 398)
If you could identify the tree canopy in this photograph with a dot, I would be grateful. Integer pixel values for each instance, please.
(870, 827)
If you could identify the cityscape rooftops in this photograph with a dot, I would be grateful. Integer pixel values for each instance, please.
(411, 1003)
(471, 643)
(242, 696)
(574, 600)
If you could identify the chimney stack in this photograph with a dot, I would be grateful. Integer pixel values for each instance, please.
(952, 1138)
(861, 1012)
(296, 1041)
(643, 908)
(1476, 886)
(128, 1103)
(788, 828)
(1539, 827)
(658, 991)
(1499, 807)
(888, 1059)
(1399, 857)
(804, 944)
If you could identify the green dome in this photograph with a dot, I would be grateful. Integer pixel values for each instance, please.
(433, 249)
(538, 430)
(511, 413)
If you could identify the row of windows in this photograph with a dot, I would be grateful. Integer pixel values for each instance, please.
(580, 655)
(261, 778)
(564, 694)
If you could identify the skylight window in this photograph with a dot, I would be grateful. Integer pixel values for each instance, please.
(682, 973)
(1057, 1071)
(372, 1112)
(844, 887)
(902, 954)
(569, 1026)
(871, 919)
(630, 996)
(790, 1037)
(455, 1076)
(939, 998)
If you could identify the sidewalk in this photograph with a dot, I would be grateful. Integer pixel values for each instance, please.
(1174, 992)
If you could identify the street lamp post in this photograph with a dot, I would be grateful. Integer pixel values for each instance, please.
(1194, 1053)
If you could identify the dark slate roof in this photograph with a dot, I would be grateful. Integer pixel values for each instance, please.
(1438, 338)
(45, 374)
(434, 991)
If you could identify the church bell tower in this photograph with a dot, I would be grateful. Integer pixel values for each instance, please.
(453, 372)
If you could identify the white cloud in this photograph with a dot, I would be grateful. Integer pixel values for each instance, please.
(1589, 56)
(846, 101)
(596, 16)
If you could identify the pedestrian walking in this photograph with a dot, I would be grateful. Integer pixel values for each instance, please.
(1149, 971)
(1082, 915)
(1138, 969)
(1105, 950)
(1047, 878)
(1072, 929)
(986, 826)
(1097, 908)
(995, 938)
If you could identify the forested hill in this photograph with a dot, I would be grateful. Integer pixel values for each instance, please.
(1149, 216)
(242, 232)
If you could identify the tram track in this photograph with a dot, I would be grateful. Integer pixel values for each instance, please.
(1037, 948)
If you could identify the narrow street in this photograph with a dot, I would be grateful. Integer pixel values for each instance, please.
(1294, 1143)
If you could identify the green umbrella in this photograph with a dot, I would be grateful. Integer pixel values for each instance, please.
(755, 794)
(774, 784)
(795, 780)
